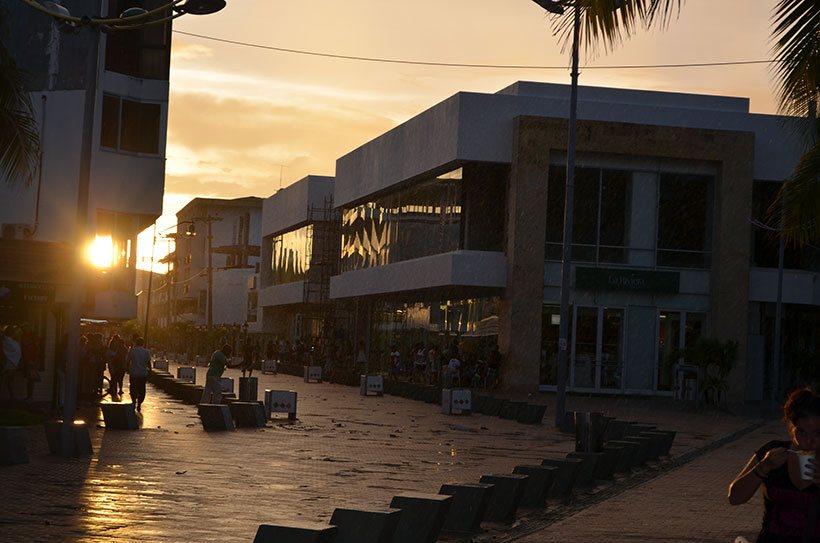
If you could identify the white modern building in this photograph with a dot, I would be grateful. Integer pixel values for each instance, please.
(452, 229)
(222, 235)
(116, 84)
(300, 252)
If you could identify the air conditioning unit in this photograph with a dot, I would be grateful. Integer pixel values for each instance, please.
(15, 230)
(252, 282)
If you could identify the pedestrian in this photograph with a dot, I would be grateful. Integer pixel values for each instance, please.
(361, 359)
(216, 367)
(791, 491)
(248, 358)
(138, 362)
(117, 353)
(493, 368)
(11, 358)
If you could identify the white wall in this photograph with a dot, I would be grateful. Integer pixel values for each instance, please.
(230, 292)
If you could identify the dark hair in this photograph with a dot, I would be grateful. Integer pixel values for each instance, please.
(227, 349)
(140, 341)
(802, 402)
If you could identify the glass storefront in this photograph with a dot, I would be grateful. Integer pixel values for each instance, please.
(473, 322)
(421, 220)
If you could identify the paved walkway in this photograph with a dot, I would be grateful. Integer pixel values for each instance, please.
(173, 482)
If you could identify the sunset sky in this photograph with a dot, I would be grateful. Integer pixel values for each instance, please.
(245, 121)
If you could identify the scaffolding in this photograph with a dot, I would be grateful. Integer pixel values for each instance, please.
(324, 264)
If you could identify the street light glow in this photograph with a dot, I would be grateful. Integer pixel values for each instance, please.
(100, 252)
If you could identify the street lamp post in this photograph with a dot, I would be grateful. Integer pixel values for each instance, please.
(557, 7)
(132, 18)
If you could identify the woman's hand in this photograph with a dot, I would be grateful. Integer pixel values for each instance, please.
(774, 459)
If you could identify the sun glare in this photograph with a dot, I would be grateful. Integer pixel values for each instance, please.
(100, 252)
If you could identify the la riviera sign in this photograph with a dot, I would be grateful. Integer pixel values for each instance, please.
(653, 282)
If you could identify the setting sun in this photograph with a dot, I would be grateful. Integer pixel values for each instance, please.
(100, 252)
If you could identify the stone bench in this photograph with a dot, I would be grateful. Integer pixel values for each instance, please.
(531, 413)
(492, 406)
(119, 416)
(269, 366)
(360, 526)
(509, 410)
(565, 477)
(160, 365)
(281, 401)
(622, 455)
(226, 384)
(82, 439)
(644, 447)
(215, 417)
(538, 484)
(13, 445)
(506, 495)
(295, 533)
(248, 414)
(468, 508)
(615, 429)
(422, 517)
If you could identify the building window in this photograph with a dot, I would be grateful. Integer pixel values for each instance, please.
(291, 255)
(143, 52)
(130, 126)
(601, 214)
(684, 220)
(421, 220)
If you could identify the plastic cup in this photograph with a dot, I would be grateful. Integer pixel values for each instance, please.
(806, 460)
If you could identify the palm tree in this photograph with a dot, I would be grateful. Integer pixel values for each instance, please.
(19, 133)
(796, 34)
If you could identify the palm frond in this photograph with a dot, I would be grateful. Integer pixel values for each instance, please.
(796, 51)
(799, 200)
(19, 132)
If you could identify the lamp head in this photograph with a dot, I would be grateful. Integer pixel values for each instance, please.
(191, 229)
(200, 7)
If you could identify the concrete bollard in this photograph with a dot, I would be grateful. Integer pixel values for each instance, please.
(82, 439)
(295, 533)
(13, 445)
(160, 364)
(636, 459)
(589, 463)
(492, 406)
(248, 389)
(622, 455)
(248, 414)
(422, 517)
(468, 508)
(643, 448)
(565, 477)
(371, 384)
(215, 417)
(187, 374)
(313, 374)
(360, 526)
(281, 401)
(269, 366)
(506, 496)
(456, 401)
(509, 410)
(541, 479)
(119, 416)
(531, 413)
(589, 431)
(615, 429)
(226, 384)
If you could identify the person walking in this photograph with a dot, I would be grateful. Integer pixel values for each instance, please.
(216, 367)
(138, 362)
(117, 353)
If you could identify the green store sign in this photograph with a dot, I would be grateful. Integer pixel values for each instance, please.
(654, 282)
